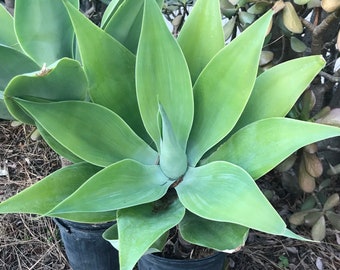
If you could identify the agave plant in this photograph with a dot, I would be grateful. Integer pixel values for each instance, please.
(175, 135)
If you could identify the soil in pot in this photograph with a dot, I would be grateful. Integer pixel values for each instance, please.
(85, 247)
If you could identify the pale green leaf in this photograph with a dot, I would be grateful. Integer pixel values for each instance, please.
(110, 11)
(110, 69)
(44, 29)
(75, 125)
(56, 146)
(111, 235)
(262, 145)
(201, 36)
(172, 157)
(64, 80)
(47, 193)
(223, 88)
(13, 63)
(212, 234)
(140, 226)
(123, 184)
(278, 88)
(7, 33)
(222, 191)
(125, 24)
(4, 113)
(162, 77)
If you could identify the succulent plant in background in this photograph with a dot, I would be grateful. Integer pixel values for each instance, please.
(172, 136)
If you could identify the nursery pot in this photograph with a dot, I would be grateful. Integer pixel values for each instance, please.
(154, 262)
(85, 247)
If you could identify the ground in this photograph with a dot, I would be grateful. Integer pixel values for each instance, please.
(28, 242)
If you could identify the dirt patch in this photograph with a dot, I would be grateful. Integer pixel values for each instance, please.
(28, 242)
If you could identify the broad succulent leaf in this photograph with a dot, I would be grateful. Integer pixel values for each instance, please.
(222, 191)
(201, 36)
(53, 189)
(44, 29)
(98, 142)
(56, 146)
(172, 157)
(110, 11)
(165, 81)
(135, 182)
(126, 22)
(14, 63)
(221, 236)
(278, 88)
(140, 226)
(64, 80)
(220, 102)
(259, 139)
(110, 70)
(7, 33)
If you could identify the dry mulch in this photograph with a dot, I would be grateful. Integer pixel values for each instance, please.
(28, 242)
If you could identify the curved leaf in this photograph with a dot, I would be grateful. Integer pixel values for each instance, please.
(126, 23)
(110, 69)
(212, 234)
(201, 36)
(49, 192)
(12, 63)
(7, 33)
(44, 29)
(223, 88)
(159, 53)
(262, 145)
(4, 113)
(56, 146)
(222, 191)
(65, 80)
(123, 184)
(140, 226)
(75, 125)
(277, 89)
(110, 11)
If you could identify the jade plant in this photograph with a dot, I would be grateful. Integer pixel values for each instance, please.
(171, 134)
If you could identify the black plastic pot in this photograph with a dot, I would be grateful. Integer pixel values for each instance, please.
(85, 248)
(154, 262)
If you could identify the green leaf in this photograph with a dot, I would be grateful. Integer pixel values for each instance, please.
(64, 80)
(44, 29)
(172, 159)
(123, 184)
(159, 51)
(125, 23)
(49, 192)
(201, 36)
(262, 145)
(111, 235)
(212, 234)
(4, 113)
(110, 11)
(13, 63)
(56, 146)
(140, 226)
(223, 88)
(278, 88)
(222, 191)
(75, 125)
(297, 45)
(110, 69)
(7, 33)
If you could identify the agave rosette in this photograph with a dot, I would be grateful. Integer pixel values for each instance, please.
(172, 136)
